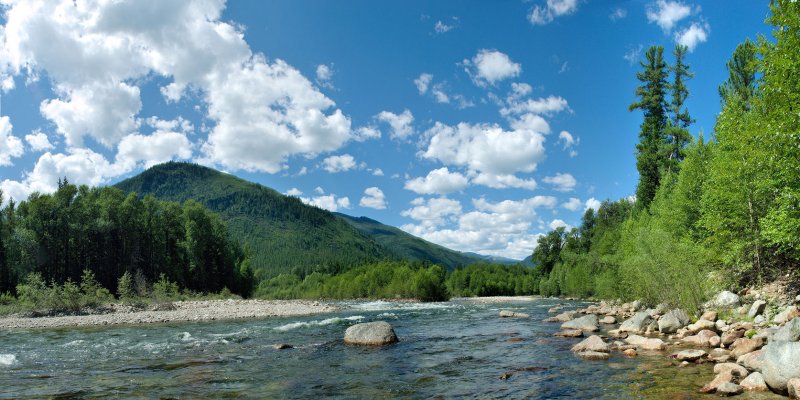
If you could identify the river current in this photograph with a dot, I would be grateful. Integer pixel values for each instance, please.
(454, 349)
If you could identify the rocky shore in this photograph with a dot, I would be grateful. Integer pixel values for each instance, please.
(752, 342)
(181, 311)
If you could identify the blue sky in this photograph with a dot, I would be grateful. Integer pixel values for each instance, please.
(474, 124)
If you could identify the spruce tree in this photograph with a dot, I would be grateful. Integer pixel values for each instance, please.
(677, 132)
(652, 101)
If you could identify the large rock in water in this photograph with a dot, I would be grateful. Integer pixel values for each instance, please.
(646, 343)
(753, 361)
(585, 323)
(672, 321)
(636, 324)
(781, 363)
(789, 332)
(512, 314)
(725, 299)
(592, 343)
(370, 334)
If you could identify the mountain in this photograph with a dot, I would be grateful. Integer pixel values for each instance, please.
(494, 259)
(281, 233)
(409, 247)
(528, 261)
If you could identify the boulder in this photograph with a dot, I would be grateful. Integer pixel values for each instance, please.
(569, 333)
(752, 361)
(729, 337)
(690, 355)
(725, 299)
(720, 325)
(608, 320)
(781, 363)
(586, 323)
(616, 334)
(757, 308)
(754, 383)
(702, 338)
(719, 355)
(370, 334)
(565, 316)
(512, 314)
(637, 305)
(721, 378)
(729, 389)
(743, 346)
(759, 320)
(743, 309)
(700, 325)
(593, 355)
(789, 332)
(733, 368)
(672, 321)
(636, 324)
(788, 314)
(646, 343)
(714, 341)
(592, 343)
(710, 315)
(555, 309)
(793, 387)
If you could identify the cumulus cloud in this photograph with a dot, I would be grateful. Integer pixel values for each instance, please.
(667, 13)
(324, 75)
(38, 141)
(422, 82)
(557, 223)
(400, 124)
(365, 133)
(618, 14)
(439, 181)
(545, 14)
(329, 202)
(294, 192)
(432, 212)
(373, 198)
(334, 164)
(10, 146)
(159, 147)
(561, 182)
(593, 203)
(505, 181)
(692, 35)
(573, 204)
(543, 106)
(490, 67)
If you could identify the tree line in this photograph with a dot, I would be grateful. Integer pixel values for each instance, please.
(61, 236)
(707, 214)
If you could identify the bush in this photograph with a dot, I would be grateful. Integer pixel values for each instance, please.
(164, 290)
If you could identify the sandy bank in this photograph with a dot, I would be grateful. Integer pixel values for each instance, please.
(185, 311)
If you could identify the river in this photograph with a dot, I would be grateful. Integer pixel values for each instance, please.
(455, 349)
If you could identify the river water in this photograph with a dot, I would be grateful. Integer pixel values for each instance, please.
(447, 350)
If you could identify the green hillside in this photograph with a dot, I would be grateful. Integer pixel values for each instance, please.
(280, 232)
(409, 247)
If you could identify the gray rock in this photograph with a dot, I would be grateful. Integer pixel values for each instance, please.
(672, 321)
(757, 308)
(565, 316)
(370, 334)
(794, 388)
(729, 389)
(719, 355)
(585, 323)
(725, 299)
(646, 343)
(781, 364)
(735, 369)
(754, 383)
(788, 314)
(592, 343)
(752, 361)
(608, 320)
(690, 355)
(743, 310)
(569, 333)
(744, 346)
(702, 338)
(797, 299)
(512, 314)
(700, 325)
(637, 324)
(637, 305)
(759, 319)
(789, 332)
(593, 355)
(719, 380)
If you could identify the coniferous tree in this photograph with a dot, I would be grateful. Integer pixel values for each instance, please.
(741, 81)
(677, 131)
(652, 101)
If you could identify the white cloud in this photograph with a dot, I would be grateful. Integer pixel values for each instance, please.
(329, 202)
(441, 27)
(519, 90)
(423, 82)
(365, 133)
(334, 164)
(561, 182)
(373, 198)
(399, 123)
(159, 147)
(542, 106)
(488, 148)
(302, 171)
(319, 190)
(633, 54)
(569, 142)
(294, 192)
(593, 203)
(490, 67)
(439, 94)
(439, 181)
(618, 14)
(693, 35)
(377, 172)
(667, 13)
(503, 181)
(544, 14)
(433, 212)
(10, 146)
(557, 223)
(573, 204)
(324, 75)
(38, 141)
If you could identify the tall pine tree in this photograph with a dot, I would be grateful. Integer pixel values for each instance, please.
(677, 133)
(652, 101)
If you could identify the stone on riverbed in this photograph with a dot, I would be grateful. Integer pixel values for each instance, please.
(754, 383)
(788, 314)
(593, 355)
(636, 324)
(672, 321)
(592, 343)
(512, 314)
(563, 317)
(735, 369)
(701, 324)
(757, 308)
(719, 355)
(690, 355)
(729, 337)
(719, 380)
(702, 338)
(752, 361)
(646, 343)
(743, 346)
(729, 389)
(794, 388)
(710, 315)
(282, 346)
(569, 333)
(781, 364)
(586, 323)
(725, 299)
(608, 320)
(370, 334)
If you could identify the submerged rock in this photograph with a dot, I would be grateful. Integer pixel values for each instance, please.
(370, 334)
(646, 343)
(592, 343)
(569, 333)
(630, 353)
(690, 355)
(593, 355)
(282, 346)
(781, 363)
(586, 323)
(512, 314)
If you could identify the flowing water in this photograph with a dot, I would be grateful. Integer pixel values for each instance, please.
(447, 350)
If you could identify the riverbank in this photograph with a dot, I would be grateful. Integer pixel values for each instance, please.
(180, 311)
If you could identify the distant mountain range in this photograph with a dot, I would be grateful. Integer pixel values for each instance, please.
(281, 233)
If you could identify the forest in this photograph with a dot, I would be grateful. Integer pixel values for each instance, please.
(97, 236)
(707, 214)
